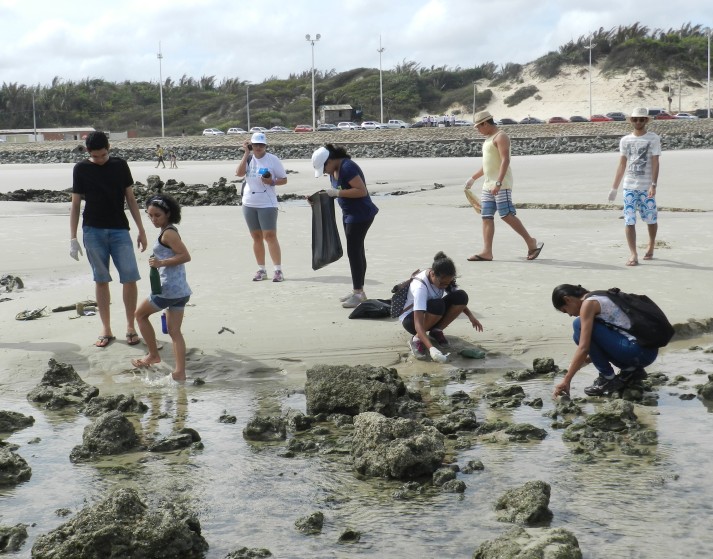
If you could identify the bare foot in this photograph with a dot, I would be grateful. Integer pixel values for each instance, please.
(178, 377)
(145, 362)
(633, 261)
(649, 255)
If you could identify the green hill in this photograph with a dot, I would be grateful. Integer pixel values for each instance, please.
(409, 89)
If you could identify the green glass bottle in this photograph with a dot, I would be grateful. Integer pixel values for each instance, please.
(155, 280)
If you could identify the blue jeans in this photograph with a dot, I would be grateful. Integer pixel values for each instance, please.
(610, 347)
(102, 244)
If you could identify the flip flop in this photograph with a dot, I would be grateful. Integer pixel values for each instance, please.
(132, 338)
(103, 341)
(632, 262)
(535, 252)
(478, 258)
(649, 256)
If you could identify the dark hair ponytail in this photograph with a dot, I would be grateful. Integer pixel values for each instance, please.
(337, 152)
(566, 290)
(443, 266)
(166, 204)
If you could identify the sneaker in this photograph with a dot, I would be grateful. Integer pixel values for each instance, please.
(278, 276)
(417, 349)
(439, 337)
(603, 386)
(635, 375)
(260, 275)
(345, 297)
(354, 300)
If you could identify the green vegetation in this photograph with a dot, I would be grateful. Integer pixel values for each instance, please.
(409, 89)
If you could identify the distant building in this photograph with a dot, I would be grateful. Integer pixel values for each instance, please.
(24, 135)
(332, 114)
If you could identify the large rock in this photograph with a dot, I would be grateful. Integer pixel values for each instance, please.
(266, 429)
(12, 537)
(121, 402)
(13, 421)
(111, 433)
(395, 448)
(517, 543)
(13, 468)
(525, 505)
(353, 390)
(61, 386)
(123, 526)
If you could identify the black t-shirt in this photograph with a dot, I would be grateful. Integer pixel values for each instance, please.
(103, 188)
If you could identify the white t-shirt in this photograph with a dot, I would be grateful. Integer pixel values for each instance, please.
(257, 194)
(612, 314)
(419, 293)
(639, 151)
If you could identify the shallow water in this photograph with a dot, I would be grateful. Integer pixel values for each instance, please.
(657, 506)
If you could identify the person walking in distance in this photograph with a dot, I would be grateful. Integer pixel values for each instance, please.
(497, 189)
(159, 155)
(105, 184)
(639, 167)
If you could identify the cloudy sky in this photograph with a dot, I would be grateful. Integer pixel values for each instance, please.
(118, 40)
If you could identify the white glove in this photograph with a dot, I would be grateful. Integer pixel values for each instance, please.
(75, 249)
(333, 192)
(437, 356)
(469, 183)
(612, 194)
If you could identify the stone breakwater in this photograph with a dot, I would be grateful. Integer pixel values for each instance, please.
(535, 139)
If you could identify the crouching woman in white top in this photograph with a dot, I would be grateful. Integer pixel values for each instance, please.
(433, 302)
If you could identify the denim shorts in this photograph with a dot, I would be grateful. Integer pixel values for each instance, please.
(102, 244)
(638, 200)
(171, 304)
(503, 203)
(260, 219)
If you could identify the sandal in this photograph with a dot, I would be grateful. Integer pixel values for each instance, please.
(132, 338)
(103, 341)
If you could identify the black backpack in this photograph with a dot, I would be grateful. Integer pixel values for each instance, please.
(649, 324)
(400, 294)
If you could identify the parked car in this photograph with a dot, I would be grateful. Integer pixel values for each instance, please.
(327, 128)
(303, 128)
(213, 132)
(600, 118)
(237, 131)
(395, 123)
(577, 118)
(419, 124)
(686, 116)
(664, 116)
(531, 120)
(279, 129)
(462, 123)
(348, 126)
(258, 129)
(371, 125)
(654, 112)
(505, 121)
(556, 120)
(702, 113)
(617, 116)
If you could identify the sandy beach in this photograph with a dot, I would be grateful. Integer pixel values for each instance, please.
(252, 343)
(299, 322)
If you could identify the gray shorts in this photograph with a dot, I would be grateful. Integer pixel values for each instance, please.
(260, 219)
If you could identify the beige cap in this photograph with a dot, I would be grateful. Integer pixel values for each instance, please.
(482, 116)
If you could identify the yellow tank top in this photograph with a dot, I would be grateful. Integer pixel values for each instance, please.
(491, 165)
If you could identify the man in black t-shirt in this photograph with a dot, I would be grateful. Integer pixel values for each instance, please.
(105, 183)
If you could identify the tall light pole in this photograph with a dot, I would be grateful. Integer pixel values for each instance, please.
(314, 115)
(474, 101)
(160, 85)
(708, 32)
(34, 118)
(590, 47)
(381, 83)
(247, 101)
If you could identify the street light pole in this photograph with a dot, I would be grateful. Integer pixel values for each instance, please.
(708, 32)
(590, 47)
(34, 118)
(247, 102)
(313, 41)
(473, 101)
(160, 86)
(381, 83)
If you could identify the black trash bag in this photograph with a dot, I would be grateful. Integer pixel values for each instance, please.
(372, 308)
(326, 245)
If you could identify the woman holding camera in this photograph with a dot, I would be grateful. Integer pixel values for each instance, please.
(263, 172)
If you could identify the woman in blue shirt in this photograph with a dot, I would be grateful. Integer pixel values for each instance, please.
(358, 211)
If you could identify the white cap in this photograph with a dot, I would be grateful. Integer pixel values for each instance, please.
(319, 158)
(258, 138)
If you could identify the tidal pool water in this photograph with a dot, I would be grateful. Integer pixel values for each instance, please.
(246, 494)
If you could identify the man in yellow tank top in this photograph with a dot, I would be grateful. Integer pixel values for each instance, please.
(497, 189)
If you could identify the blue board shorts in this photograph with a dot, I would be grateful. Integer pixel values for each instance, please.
(638, 200)
(502, 202)
(103, 244)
